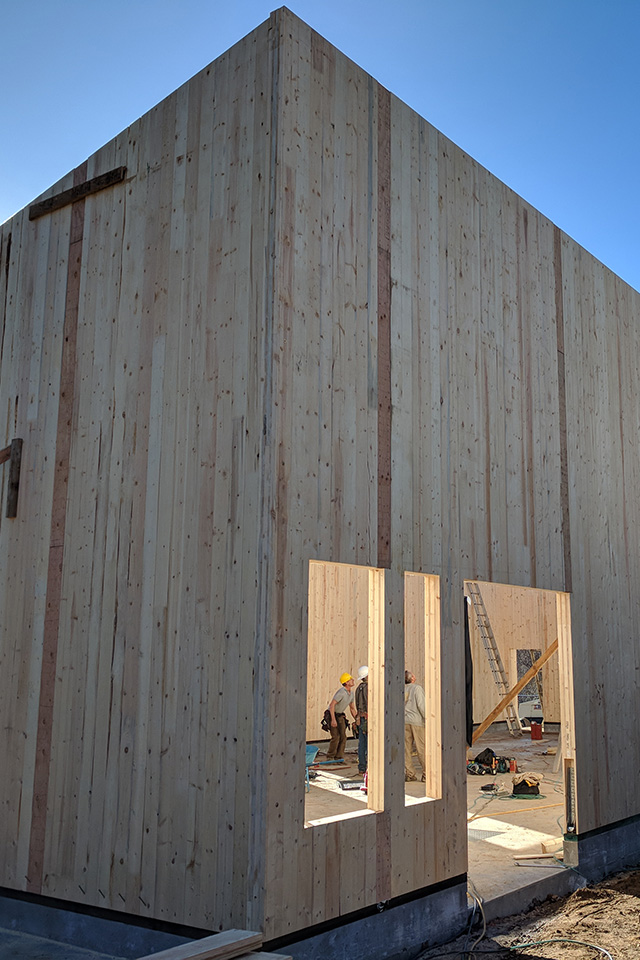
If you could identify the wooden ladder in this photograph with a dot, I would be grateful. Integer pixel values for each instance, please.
(493, 654)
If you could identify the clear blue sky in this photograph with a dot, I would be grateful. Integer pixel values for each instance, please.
(545, 94)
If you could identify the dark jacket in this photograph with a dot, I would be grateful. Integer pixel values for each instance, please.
(362, 697)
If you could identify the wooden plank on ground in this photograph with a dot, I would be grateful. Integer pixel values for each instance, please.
(220, 946)
(552, 846)
(534, 856)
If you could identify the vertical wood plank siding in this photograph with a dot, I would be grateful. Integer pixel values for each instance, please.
(562, 411)
(154, 712)
(384, 328)
(64, 433)
(308, 327)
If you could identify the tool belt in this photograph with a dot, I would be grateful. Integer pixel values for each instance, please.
(325, 723)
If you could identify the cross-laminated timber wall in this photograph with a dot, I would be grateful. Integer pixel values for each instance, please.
(305, 327)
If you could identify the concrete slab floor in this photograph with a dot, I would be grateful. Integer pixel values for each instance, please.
(501, 828)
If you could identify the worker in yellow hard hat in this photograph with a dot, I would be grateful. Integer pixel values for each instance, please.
(343, 698)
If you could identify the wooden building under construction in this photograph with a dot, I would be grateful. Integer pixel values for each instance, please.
(277, 351)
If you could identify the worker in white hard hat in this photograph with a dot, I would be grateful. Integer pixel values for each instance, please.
(362, 717)
(342, 699)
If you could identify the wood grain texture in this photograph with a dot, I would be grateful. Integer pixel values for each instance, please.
(317, 348)
(384, 326)
(54, 599)
(169, 367)
(600, 340)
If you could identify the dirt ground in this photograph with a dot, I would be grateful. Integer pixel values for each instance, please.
(605, 918)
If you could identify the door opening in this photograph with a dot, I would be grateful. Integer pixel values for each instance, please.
(520, 644)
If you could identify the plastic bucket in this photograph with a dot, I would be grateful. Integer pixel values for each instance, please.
(536, 730)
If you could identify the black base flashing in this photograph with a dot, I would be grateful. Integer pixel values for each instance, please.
(599, 831)
(103, 913)
(335, 923)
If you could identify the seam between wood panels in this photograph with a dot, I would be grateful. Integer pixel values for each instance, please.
(384, 327)
(5, 253)
(562, 411)
(56, 548)
(383, 818)
(257, 837)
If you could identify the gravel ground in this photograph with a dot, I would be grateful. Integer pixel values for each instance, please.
(602, 920)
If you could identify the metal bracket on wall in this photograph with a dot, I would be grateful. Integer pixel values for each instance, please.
(12, 454)
(570, 795)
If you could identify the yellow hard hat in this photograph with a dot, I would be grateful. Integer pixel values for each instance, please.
(345, 678)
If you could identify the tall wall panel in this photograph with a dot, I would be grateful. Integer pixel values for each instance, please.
(342, 480)
(601, 342)
(153, 476)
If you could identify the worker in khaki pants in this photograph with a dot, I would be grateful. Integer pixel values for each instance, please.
(342, 699)
(414, 726)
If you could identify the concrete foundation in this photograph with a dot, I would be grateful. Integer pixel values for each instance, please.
(394, 931)
(559, 882)
(598, 854)
(397, 931)
(105, 936)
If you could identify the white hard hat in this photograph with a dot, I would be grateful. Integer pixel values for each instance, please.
(363, 672)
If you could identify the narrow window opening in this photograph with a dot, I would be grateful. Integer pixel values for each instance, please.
(345, 640)
(422, 694)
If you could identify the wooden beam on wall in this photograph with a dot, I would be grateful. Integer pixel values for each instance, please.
(15, 461)
(12, 454)
(78, 192)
